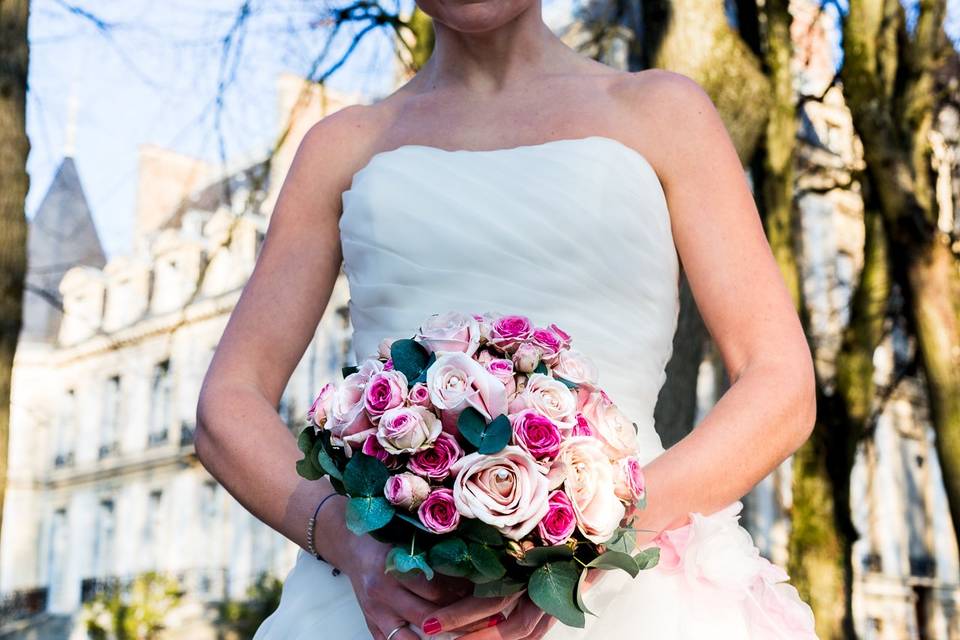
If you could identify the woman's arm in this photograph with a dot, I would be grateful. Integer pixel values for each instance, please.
(240, 437)
(770, 407)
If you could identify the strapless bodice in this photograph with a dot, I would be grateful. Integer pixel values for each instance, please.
(572, 231)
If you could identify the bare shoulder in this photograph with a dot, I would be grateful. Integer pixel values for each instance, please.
(673, 118)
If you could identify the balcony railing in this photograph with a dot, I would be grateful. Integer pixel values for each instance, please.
(157, 438)
(23, 603)
(108, 449)
(63, 460)
(90, 588)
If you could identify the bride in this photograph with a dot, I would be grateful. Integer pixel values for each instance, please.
(513, 175)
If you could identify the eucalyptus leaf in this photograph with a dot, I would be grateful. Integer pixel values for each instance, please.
(570, 385)
(498, 588)
(479, 531)
(648, 558)
(346, 371)
(399, 560)
(451, 558)
(541, 368)
(581, 583)
(539, 555)
(415, 521)
(365, 476)
(553, 587)
(306, 470)
(305, 439)
(366, 514)
(641, 503)
(423, 373)
(487, 438)
(616, 560)
(486, 562)
(409, 357)
(326, 463)
(624, 540)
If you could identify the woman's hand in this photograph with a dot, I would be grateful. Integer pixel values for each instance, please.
(389, 601)
(483, 618)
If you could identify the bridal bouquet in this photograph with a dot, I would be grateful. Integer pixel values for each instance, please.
(483, 448)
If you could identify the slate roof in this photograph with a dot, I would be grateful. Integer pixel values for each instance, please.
(60, 236)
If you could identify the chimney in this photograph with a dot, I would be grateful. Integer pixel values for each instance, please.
(165, 179)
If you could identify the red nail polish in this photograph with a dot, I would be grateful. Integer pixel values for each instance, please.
(432, 626)
(495, 620)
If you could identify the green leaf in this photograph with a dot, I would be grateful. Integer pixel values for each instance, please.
(305, 439)
(541, 368)
(368, 514)
(616, 560)
(553, 587)
(539, 555)
(479, 531)
(648, 558)
(498, 588)
(423, 373)
(486, 562)
(365, 476)
(451, 558)
(580, 588)
(570, 385)
(399, 560)
(306, 470)
(624, 540)
(325, 462)
(346, 371)
(409, 357)
(415, 521)
(487, 438)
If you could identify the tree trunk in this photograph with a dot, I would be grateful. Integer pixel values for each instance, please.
(14, 148)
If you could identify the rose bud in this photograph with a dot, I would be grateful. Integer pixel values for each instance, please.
(630, 484)
(549, 342)
(406, 491)
(383, 350)
(503, 370)
(407, 429)
(565, 339)
(419, 395)
(372, 447)
(434, 463)
(560, 521)
(320, 409)
(526, 357)
(438, 512)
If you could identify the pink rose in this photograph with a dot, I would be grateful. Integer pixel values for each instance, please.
(630, 484)
(503, 370)
(576, 367)
(456, 381)
(610, 425)
(435, 462)
(388, 365)
(419, 395)
(439, 512)
(536, 434)
(583, 427)
(406, 491)
(560, 521)
(451, 332)
(347, 416)
(385, 390)
(588, 480)
(507, 332)
(320, 409)
(507, 490)
(383, 349)
(407, 429)
(549, 342)
(372, 447)
(550, 398)
(527, 357)
(563, 335)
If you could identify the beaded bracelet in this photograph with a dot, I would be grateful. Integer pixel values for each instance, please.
(310, 526)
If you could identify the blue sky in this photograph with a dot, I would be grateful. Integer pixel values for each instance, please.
(151, 80)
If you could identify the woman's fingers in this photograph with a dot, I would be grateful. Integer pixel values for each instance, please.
(522, 622)
(465, 612)
(385, 625)
(440, 591)
(542, 627)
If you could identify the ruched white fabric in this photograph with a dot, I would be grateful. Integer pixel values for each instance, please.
(575, 232)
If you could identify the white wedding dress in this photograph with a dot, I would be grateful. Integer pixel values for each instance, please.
(576, 232)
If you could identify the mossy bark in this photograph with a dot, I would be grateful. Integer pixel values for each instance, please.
(14, 147)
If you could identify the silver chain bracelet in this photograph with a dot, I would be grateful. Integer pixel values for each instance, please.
(310, 527)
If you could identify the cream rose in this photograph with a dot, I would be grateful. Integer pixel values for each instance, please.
(347, 420)
(550, 398)
(456, 381)
(589, 481)
(576, 367)
(407, 429)
(451, 332)
(610, 425)
(506, 490)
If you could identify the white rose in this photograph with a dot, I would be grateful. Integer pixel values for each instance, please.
(589, 481)
(456, 381)
(548, 397)
(576, 367)
(451, 332)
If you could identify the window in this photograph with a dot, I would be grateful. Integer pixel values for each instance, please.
(103, 539)
(66, 429)
(110, 424)
(161, 397)
(151, 528)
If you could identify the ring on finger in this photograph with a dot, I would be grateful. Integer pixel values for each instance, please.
(396, 630)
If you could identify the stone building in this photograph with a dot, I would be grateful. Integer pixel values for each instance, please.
(104, 481)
